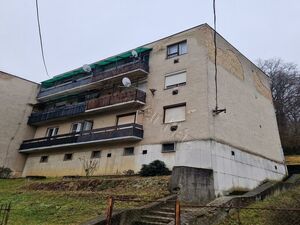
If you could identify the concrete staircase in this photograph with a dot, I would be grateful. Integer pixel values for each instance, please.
(162, 215)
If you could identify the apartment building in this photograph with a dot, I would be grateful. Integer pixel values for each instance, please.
(17, 97)
(166, 114)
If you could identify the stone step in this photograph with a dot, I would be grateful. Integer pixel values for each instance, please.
(167, 209)
(161, 219)
(143, 222)
(162, 213)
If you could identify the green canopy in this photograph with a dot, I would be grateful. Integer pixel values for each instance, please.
(99, 64)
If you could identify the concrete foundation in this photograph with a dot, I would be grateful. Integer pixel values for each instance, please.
(194, 185)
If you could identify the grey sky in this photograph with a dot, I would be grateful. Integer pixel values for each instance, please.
(76, 32)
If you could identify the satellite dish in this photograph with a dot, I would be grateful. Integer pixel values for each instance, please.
(87, 68)
(134, 53)
(126, 82)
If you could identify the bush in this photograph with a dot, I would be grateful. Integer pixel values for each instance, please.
(155, 168)
(128, 172)
(5, 172)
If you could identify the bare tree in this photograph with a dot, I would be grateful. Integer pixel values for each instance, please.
(89, 166)
(285, 87)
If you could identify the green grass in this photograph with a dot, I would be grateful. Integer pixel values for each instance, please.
(289, 199)
(34, 207)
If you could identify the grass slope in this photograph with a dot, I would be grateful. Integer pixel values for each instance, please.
(289, 199)
(54, 201)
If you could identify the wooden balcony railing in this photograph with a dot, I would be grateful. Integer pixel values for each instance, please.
(143, 66)
(125, 96)
(117, 98)
(123, 132)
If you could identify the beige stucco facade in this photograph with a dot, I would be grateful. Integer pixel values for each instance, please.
(248, 126)
(16, 96)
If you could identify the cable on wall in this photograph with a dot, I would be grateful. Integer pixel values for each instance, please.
(216, 111)
(40, 36)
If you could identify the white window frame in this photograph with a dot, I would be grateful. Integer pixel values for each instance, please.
(53, 132)
(173, 75)
(170, 107)
(179, 51)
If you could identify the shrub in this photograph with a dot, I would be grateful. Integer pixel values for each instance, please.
(128, 172)
(5, 172)
(155, 168)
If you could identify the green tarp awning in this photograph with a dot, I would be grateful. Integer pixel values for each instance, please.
(52, 81)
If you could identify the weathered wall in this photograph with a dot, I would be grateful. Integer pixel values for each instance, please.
(16, 95)
(249, 123)
(193, 185)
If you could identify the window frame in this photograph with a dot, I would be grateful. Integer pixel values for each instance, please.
(68, 159)
(177, 44)
(171, 107)
(93, 154)
(81, 126)
(126, 149)
(47, 131)
(124, 115)
(168, 143)
(44, 159)
(174, 74)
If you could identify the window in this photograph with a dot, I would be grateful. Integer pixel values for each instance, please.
(68, 156)
(174, 80)
(168, 147)
(129, 151)
(95, 154)
(144, 152)
(108, 155)
(81, 126)
(174, 113)
(177, 49)
(126, 119)
(87, 125)
(44, 159)
(51, 131)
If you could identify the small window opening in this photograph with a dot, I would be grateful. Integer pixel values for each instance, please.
(168, 147)
(144, 152)
(129, 151)
(44, 159)
(108, 155)
(95, 154)
(68, 156)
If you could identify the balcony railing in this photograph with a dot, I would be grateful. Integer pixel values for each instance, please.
(139, 65)
(63, 87)
(107, 101)
(66, 111)
(117, 98)
(115, 133)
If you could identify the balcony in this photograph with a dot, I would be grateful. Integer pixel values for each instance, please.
(126, 98)
(136, 69)
(67, 111)
(116, 100)
(64, 88)
(126, 132)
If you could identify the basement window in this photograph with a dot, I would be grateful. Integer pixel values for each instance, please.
(168, 147)
(95, 154)
(68, 156)
(44, 159)
(129, 151)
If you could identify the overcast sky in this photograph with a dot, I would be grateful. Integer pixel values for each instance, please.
(76, 32)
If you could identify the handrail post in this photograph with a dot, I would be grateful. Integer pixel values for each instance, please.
(109, 210)
(177, 212)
